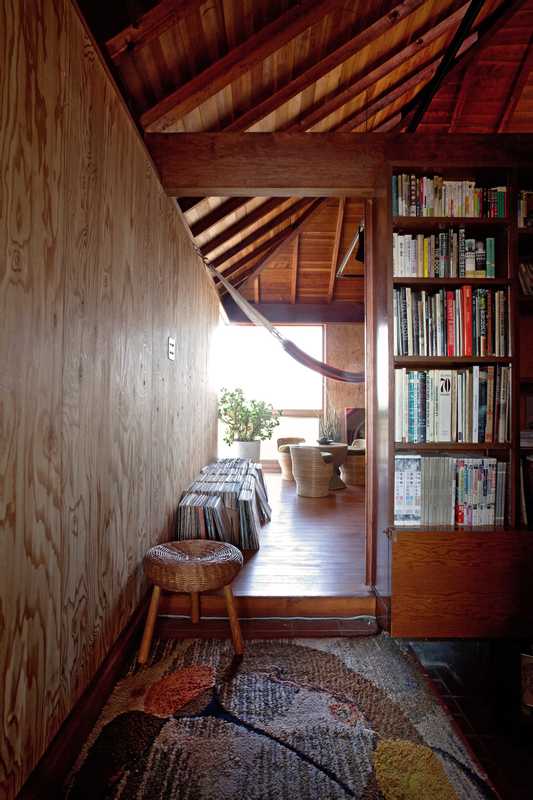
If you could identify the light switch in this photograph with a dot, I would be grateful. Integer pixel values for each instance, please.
(171, 348)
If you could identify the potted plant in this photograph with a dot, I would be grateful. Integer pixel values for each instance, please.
(248, 422)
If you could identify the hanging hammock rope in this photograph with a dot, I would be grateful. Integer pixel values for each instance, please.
(303, 358)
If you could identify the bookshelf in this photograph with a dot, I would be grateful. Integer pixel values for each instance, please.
(447, 579)
(524, 259)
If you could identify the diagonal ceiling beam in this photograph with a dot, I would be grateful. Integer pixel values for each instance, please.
(149, 26)
(381, 68)
(218, 213)
(295, 229)
(336, 248)
(186, 203)
(480, 39)
(243, 223)
(448, 61)
(257, 251)
(295, 208)
(235, 63)
(366, 32)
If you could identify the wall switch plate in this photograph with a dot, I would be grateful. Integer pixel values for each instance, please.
(171, 348)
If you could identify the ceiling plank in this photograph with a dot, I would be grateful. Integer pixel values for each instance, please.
(218, 213)
(517, 87)
(235, 63)
(257, 290)
(149, 26)
(366, 33)
(448, 61)
(186, 203)
(243, 223)
(294, 268)
(378, 70)
(283, 164)
(459, 103)
(336, 248)
(254, 236)
(255, 253)
(294, 230)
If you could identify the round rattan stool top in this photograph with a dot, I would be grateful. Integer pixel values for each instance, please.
(194, 565)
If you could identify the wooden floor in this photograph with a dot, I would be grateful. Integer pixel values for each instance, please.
(310, 562)
(312, 547)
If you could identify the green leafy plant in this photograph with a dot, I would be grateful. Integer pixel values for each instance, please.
(246, 420)
(329, 427)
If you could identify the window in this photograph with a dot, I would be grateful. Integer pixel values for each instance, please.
(250, 358)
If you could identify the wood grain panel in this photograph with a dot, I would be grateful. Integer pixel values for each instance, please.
(344, 345)
(99, 431)
(466, 584)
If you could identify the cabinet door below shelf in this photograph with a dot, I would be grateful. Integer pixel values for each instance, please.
(462, 584)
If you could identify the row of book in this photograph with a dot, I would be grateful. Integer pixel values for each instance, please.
(525, 275)
(448, 254)
(467, 321)
(464, 405)
(441, 490)
(432, 196)
(525, 208)
(227, 502)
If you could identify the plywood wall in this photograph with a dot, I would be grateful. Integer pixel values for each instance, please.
(99, 432)
(344, 347)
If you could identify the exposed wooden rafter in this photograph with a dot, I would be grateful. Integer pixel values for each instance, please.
(243, 223)
(368, 31)
(186, 203)
(218, 213)
(264, 230)
(294, 268)
(235, 63)
(255, 253)
(379, 69)
(336, 248)
(149, 26)
(302, 313)
(448, 60)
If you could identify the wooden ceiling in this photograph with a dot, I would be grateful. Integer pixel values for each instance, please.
(311, 66)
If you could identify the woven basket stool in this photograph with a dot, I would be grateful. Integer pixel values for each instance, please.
(191, 566)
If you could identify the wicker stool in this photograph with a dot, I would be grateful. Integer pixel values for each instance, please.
(191, 566)
(284, 456)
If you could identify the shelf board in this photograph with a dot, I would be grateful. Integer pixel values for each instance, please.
(455, 446)
(444, 361)
(413, 223)
(525, 232)
(407, 281)
(458, 529)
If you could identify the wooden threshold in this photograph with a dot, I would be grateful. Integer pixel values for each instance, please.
(248, 607)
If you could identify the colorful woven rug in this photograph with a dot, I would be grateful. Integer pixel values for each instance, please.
(321, 719)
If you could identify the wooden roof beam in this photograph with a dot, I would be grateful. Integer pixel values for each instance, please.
(336, 248)
(243, 223)
(470, 50)
(283, 164)
(217, 214)
(186, 203)
(367, 32)
(448, 61)
(235, 63)
(381, 68)
(254, 236)
(149, 26)
(301, 313)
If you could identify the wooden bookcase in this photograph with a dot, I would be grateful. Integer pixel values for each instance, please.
(524, 180)
(447, 581)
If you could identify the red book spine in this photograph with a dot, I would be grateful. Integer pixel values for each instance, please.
(467, 319)
(450, 323)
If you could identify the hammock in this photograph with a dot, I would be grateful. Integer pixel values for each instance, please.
(303, 358)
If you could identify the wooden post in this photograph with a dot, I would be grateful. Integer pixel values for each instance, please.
(236, 634)
(195, 607)
(149, 626)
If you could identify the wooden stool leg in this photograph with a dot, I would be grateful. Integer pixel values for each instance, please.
(144, 651)
(236, 634)
(195, 607)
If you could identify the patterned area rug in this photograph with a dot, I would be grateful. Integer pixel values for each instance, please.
(321, 719)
